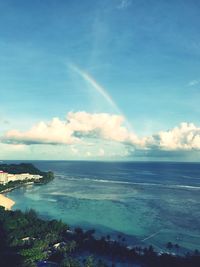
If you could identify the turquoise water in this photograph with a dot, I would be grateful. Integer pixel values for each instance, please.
(151, 203)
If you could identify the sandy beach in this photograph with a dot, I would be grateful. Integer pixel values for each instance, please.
(6, 202)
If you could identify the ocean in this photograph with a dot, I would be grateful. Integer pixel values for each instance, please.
(149, 203)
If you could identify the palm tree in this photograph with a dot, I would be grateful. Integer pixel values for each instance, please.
(119, 237)
(177, 247)
(169, 245)
(72, 246)
(108, 237)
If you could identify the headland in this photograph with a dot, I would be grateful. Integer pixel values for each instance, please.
(13, 176)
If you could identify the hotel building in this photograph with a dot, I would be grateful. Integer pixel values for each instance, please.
(7, 177)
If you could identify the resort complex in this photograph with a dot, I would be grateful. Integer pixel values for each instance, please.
(6, 177)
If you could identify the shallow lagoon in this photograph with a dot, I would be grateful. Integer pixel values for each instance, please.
(151, 203)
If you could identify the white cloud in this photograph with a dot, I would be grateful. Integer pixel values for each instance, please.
(98, 125)
(101, 152)
(88, 154)
(74, 150)
(12, 150)
(124, 4)
(76, 127)
(79, 128)
(193, 82)
(184, 137)
(54, 132)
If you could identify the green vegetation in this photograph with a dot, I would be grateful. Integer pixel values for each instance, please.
(26, 240)
(24, 168)
(47, 177)
(26, 237)
(20, 168)
(13, 184)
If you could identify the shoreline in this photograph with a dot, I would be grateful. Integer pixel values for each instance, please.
(15, 187)
(6, 202)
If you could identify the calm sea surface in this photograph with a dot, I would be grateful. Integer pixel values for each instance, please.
(151, 203)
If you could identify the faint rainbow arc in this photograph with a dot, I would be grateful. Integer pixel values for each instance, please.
(100, 89)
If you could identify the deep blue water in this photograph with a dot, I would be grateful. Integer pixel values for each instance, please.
(138, 199)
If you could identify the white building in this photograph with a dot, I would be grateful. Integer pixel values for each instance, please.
(11, 177)
(3, 177)
(7, 177)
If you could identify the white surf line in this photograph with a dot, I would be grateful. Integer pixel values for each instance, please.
(152, 235)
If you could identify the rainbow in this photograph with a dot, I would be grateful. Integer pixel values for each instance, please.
(100, 89)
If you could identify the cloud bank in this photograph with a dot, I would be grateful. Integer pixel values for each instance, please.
(73, 130)
(78, 127)
(184, 137)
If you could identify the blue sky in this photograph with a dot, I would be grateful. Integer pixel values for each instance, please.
(143, 54)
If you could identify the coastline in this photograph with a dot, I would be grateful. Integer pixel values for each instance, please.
(15, 187)
(6, 202)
